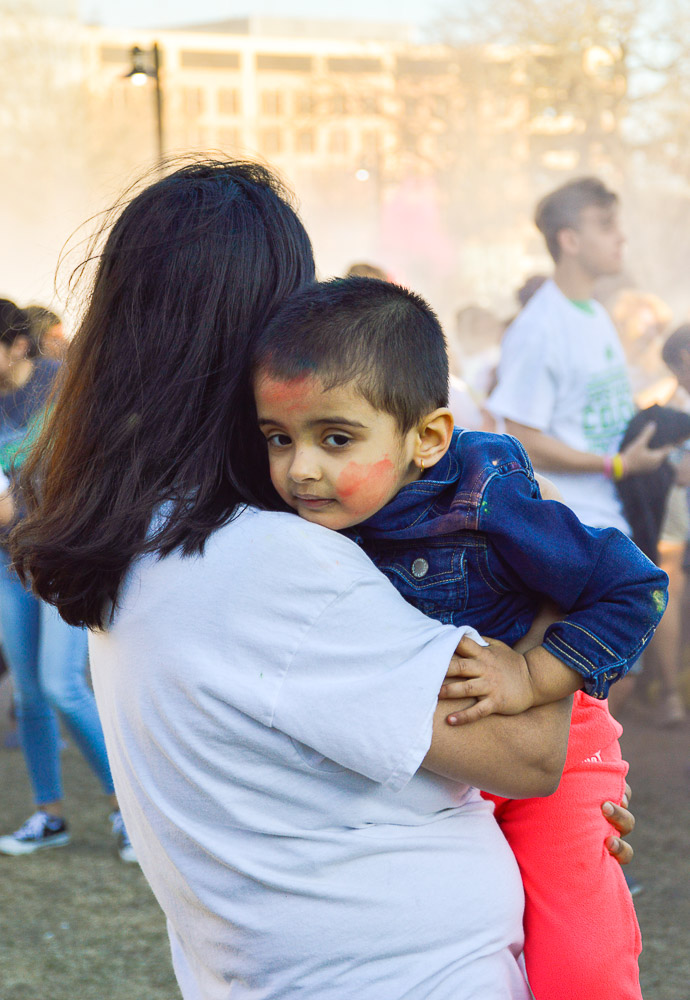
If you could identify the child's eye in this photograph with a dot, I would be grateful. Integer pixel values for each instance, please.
(278, 441)
(337, 440)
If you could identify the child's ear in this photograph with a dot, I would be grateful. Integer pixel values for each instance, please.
(433, 438)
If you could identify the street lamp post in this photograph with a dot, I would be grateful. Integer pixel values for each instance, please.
(145, 66)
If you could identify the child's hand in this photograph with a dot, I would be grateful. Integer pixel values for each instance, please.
(495, 675)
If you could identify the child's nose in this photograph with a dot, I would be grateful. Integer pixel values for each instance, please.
(304, 466)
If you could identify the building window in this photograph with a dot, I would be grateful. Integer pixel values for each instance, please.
(195, 138)
(272, 102)
(338, 103)
(271, 141)
(369, 104)
(422, 67)
(304, 104)
(440, 106)
(337, 142)
(305, 141)
(229, 138)
(192, 101)
(210, 60)
(354, 64)
(229, 102)
(370, 146)
(284, 63)
(115, 54)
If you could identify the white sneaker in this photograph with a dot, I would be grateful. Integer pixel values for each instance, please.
(671, 711)
(124, 844)
(40, 831)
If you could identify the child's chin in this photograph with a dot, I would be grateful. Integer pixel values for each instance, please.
(334, 521)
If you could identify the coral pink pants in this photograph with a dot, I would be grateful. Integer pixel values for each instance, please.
(582, 940)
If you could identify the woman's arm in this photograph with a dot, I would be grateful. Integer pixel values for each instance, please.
(518, 756)
(620, 817)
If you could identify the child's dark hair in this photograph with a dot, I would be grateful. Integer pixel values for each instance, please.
(561, 208)
(381, 337)
(677, 344)
(156, 404)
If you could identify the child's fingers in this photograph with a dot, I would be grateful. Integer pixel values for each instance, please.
(468, 648)
(462, 717)
(471, 687)
(462, 666)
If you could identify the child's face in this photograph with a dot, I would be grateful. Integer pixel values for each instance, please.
(333, 457)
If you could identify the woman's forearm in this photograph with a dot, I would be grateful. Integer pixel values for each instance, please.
(519, 756)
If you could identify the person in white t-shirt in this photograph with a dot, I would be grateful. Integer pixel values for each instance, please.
(297, 800)
(563, 387)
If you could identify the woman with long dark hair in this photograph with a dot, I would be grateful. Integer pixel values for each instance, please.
(267, 698)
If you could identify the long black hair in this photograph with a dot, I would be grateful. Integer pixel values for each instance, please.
(155, 405)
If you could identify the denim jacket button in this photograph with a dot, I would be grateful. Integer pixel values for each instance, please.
(420, 568)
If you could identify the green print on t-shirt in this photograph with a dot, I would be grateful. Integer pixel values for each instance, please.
(607, 410)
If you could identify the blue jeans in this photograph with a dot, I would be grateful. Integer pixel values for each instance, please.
(47, 659)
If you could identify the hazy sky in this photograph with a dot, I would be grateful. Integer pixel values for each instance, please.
(153, 13)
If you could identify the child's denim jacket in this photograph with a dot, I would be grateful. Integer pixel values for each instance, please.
(473, 543)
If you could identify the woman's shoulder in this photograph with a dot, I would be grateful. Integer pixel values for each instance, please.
(257, 559)
(284, 539)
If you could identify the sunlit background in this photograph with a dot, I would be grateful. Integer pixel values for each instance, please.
(415, 136)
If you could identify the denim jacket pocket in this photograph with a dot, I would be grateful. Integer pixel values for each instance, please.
(431, 577)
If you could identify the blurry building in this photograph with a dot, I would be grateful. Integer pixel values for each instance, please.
(446, 148)
(307, 95)
(425, 157)
(361, 96)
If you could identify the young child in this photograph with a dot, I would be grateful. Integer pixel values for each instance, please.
(351, 383)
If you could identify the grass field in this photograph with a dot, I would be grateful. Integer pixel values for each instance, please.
(77, 924)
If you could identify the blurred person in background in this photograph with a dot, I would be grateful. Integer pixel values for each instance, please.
(11, 740)
(362, 269)
(475, 338)
(475, 348)
(529, 287)
(673, 544)
(47, 333)
(47, 658)
(563, 386)
(642, 320)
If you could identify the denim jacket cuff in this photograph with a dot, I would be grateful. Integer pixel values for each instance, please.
(591, 658)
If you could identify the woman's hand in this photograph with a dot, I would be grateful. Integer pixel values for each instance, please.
(623, 820)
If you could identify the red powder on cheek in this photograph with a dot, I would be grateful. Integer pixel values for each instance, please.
(288, 394)
(366, 487)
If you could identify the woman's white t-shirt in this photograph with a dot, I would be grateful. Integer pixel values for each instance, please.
(266, 708)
